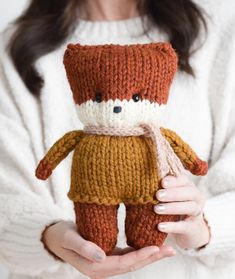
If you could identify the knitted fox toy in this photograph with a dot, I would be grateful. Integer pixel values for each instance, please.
(122, 154)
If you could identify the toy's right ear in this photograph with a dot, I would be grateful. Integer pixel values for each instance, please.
(70, 64)
(73, 46)
(70, 50)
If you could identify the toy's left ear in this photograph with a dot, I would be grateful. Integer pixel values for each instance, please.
(163, 46)
(165, 63)
(167, 52)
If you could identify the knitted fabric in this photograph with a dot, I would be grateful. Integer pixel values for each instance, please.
(110, 165)
(98, 223)
(57, 153)
(112, 169)
(167, 161)
(141, 226)
(117, 71)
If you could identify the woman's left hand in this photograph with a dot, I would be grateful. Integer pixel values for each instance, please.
(181, 197)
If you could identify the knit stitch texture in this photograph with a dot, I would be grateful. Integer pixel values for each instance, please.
(109, 169)
(118, 71)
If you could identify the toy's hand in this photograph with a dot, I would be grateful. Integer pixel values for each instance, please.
(44, 170)
(180, 196)
(200, 167)
(63, 240)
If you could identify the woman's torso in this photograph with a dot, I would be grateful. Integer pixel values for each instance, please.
(188, 113)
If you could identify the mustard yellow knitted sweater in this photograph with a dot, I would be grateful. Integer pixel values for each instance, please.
(111, 169)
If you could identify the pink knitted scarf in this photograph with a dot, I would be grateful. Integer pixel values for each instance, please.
(167, 161)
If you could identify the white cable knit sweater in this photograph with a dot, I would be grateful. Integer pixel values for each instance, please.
(200, 110)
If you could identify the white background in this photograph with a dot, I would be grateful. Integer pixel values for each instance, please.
(9, 10)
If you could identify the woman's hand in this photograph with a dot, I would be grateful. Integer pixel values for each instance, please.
(180, 196)
(63, 240)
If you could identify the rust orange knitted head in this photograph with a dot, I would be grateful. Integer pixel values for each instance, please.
(119, 71)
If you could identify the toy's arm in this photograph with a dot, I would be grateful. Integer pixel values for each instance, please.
(188, 157)
(60, 149)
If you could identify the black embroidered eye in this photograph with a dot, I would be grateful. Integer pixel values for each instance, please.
(136, 97)
(98, 97)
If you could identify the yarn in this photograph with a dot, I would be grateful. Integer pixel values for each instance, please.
(59, 151)
(110, 169)
(98, 223)
(118, 71)
(167, 161)
(120, 161)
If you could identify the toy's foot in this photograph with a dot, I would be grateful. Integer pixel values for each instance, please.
(141, 226)
(98, 223)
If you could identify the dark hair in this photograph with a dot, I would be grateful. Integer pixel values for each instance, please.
(45, 25)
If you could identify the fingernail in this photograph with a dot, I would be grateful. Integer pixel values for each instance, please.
(162, 226)
(98, 256)
(159, 208)
(161, 194)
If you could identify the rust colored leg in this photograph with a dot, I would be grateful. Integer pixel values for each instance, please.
(98, 223)
(141, 226)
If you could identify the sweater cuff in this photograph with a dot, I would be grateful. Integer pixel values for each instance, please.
(219, 213)
(21, 248)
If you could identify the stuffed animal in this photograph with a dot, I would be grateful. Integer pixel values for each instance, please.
(122, 153)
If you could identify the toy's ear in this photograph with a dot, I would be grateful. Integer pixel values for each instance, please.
(162, 46)
(166, 63)
(69, 52)
(167, 49)
(70, 64)
(73, 46)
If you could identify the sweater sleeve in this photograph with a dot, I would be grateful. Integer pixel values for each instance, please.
(219, 213)
(219, 209)
(26, 205)
(220, 181)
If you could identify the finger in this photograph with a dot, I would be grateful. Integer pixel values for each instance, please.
(86, 249)
(112, 265)
(190, 208)
(182, 193)
(173, 181)
(180, 227)
(84, 265)
(165, 251)
(122, 251)
(138, 255)
(121, 264)
(80, 263)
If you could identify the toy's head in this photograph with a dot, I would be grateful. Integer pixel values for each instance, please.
(120, 86)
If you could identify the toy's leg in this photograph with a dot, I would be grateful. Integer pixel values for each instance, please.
(98, 223)
(141, 226)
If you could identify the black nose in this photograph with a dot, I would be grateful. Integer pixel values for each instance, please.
(117, 109)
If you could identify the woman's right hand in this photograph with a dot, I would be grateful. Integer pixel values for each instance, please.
(63, 240)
